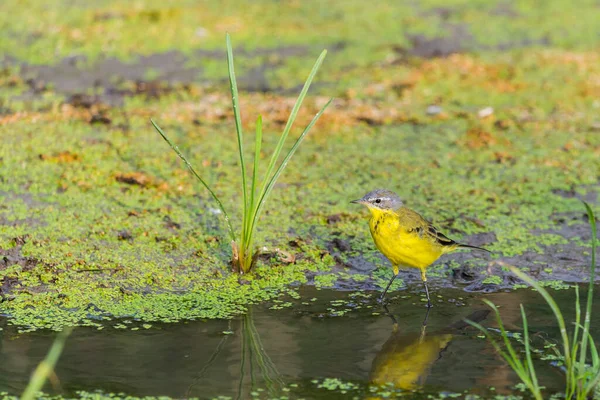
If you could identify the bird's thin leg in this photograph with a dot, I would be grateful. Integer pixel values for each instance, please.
(424, 279)
(389, 314)
(429, 305)
(386, 289)
(426, 316)
(424, 326)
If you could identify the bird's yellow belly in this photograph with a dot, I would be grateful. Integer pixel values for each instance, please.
(402, 248)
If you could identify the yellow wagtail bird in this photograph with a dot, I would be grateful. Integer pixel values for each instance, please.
(405, 237)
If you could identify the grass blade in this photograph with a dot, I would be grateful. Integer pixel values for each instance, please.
(531, 368)
(594, 353)
(525, 372)
(257, 147)
(577, 320)
(581, 379)
(46, 367)
(522, 373)
(292, 118)
(592, 384)
(238, 119)
(588, 309)
(555, 309)
(193, 171)
(504, 334)
(572, 373)
(271, 182)
(490, 338)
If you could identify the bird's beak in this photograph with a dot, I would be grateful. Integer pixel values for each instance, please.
(358, 201)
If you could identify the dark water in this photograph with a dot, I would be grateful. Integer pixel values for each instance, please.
(289, 352)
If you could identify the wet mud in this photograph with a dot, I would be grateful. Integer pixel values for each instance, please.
(111, 79)
(10, 258)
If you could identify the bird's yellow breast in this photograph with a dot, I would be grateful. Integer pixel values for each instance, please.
(401, 244)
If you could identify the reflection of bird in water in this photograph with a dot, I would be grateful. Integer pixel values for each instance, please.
(405, 359)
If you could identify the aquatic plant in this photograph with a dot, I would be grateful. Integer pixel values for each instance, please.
(579, 352)
(244, 254)
(45, 368)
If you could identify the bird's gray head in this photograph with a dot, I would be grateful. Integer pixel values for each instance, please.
(380, 198)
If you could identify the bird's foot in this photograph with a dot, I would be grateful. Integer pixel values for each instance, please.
(381, 300)
(429, 305)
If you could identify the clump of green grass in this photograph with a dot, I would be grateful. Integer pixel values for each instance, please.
(254, 195)
(579, 352)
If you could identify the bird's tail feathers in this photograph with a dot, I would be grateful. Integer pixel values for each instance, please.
(468, 246)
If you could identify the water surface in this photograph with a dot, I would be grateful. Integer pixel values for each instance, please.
(292, 351)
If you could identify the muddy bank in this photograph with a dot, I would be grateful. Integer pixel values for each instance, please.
(471, 271)
(109, 80)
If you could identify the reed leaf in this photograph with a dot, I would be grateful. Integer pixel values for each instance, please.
(237, 116)
(588, 310)
(293, 114)
(193, 171)
(271, 183)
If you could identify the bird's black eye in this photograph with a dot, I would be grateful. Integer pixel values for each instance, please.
(377, 201)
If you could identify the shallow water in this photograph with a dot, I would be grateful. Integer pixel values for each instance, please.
(290, 351)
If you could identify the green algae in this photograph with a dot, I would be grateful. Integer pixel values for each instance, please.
(326, 280)
(494, 280)
(170, 263)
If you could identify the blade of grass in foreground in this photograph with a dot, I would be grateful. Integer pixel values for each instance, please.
(271, 175)
(581, 378)
(292, 119)
(193, 171)
(525, 371)
(555, 309)
(529, 361)
(238, 118)
(253, 195)
(588, 309)
(45, 368)
(588, 312)
(271, 182)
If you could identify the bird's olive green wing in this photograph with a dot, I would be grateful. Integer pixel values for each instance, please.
(440, 237)
(414, 222)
